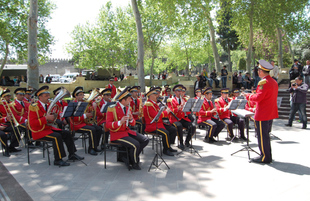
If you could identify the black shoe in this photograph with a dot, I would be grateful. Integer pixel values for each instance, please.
(181, 146)
(30, 143)
(304, 127)
(6, 154)
(13, 149)
(188, 145)
(168, 153)
(243, 138)
(61, 163)
(38, 144)
(97, 150)
(75, 157)
(258, 160)
(136, 166)
(289, 125)
(206, 140)
(172, 150)
(92, 152)
(212, 140)
(126, 161)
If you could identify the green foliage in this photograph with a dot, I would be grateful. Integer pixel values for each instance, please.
(109, 42)
(14, 31)
(242, 64)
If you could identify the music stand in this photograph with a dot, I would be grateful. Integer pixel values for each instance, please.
(155, 159)
(193, 105)
(246, 115)
(75, 109)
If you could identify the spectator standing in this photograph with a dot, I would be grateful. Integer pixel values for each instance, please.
(299, 100)
(48, 79)
(213, 76)
(92, 76)
(274, 73)
(239, 80)
(41, 78)
(205, 75)
(248, 81)
(159, 76)
(306, 72)
(198, 83)
(255, 75)
(3, 81)
(235, 78)
(295, 70)
(224, 74)
(121, 77)
(164, 76)
(15, 81)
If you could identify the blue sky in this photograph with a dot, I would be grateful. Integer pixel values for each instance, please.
(70, 13)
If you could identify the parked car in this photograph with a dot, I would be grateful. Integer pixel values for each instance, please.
(55, 77)
(68, 77)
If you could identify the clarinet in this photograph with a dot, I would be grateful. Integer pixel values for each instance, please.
(175, 116)
(128, 110)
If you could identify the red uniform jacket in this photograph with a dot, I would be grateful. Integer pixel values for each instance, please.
(266, 99)
(135, 108)
(101, 117)
(3, 112)
(150, 110)
(250, 106)
(20, 113)
(37, 121)
(204, 113)
(173, 105)
(114, 114)
(113, 93)
(164, 93)
(220, 103)
(26, 100)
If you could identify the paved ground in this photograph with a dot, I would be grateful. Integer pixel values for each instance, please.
(215, 176)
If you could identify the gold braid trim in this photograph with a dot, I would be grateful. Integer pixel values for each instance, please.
(113, 110)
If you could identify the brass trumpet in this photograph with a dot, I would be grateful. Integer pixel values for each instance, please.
(92, 96)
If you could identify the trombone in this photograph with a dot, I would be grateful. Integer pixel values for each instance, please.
(9, 112)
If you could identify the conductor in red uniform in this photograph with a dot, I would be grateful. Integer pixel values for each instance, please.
(119, 117)
(266, 110)
(38, 124)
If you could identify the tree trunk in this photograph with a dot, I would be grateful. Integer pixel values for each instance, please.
(213, 44)
(249, 54)
(5, 57)
(33, 70)
(280, 49)
(140, 61)
(152, 67)
(229, 59)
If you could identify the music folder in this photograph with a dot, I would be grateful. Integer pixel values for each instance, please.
(237, 104)
(75, 109)
(158, 114)
(193, 105)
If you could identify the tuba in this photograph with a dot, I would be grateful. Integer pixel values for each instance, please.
(118, 91)
(53, 107)
(89, 108)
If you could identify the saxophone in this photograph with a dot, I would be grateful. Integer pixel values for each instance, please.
(140, 108)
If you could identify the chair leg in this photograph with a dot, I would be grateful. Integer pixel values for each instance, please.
(48, 154)
(28, 154)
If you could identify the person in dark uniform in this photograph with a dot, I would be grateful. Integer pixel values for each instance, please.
(119, 117)
(3, 136)
(150, 110)
(266, 110)
(38, 123)
(135, 106)
(207, 117)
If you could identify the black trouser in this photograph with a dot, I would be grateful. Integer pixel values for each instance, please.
(165, 135)
(215, 127)
(23, 128)
(93, 135)
(4, 139)
(240, 122)
(15, 135)
(105, 136)
(301, 107)
(58, 137)
(172, 133)
(141, 126)
(191, 130)
(263, 138)
(135, 145)
(60, 124)
(179, 128)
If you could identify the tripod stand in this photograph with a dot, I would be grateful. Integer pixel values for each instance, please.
(75, 109)
(193, 105)
(157, 156)
(246, 115)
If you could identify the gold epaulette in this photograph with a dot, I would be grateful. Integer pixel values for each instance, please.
(186, 98)
(216, 100)
(262, 82)
(111, 107)
(148, 104)
(169, 100)
(34, 107)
